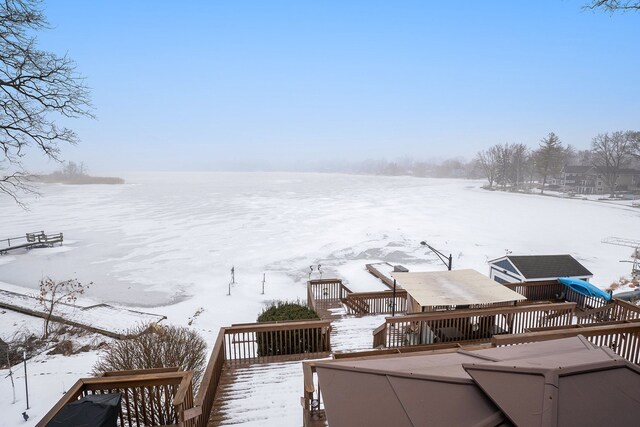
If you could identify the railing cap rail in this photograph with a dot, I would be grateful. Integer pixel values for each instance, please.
(532, 284)
(262, 327)
(273, 322)
(207, 377)
(139, 380)
(472, 312)
(323, 281)
(186, 386)
(587, 331)
(383, 294)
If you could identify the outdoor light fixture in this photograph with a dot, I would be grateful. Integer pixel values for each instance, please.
(448, 261)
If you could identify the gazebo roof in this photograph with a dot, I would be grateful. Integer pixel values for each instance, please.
(456, 287)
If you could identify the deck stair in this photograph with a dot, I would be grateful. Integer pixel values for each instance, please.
(269, 385)
(29, 241)
(356, 306)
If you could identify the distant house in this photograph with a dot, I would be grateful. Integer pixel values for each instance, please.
(589, 180)
(536, 268)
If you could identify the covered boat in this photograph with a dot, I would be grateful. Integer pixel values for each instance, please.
(584, 288)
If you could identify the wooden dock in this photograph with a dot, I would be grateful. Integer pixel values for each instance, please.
(29, 241)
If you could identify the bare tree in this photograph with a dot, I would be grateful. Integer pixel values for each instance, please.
(53, 293)
(519, 157)
(614, 5)
(487, 160)
(549, 157)
(635, 142)
(155, 346)
(35, 87)
(610, 154)
(504, 154)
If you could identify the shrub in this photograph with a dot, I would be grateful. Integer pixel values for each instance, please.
(282, 311)
(157, 346)
(274, 343)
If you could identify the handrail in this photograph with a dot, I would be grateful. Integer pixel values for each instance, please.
(210, 379)
(448, 314)
(281, 326)
(399, 293)
(587, 331)
(623, 338)
(615, 310)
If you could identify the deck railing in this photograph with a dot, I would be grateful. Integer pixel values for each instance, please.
(553, 290)
(616, 310)
(622, 338)
(259, 343)
(149, 397)
(312, 403)
(326, 289)
(469, 325)
(322, 294)
(376, 302)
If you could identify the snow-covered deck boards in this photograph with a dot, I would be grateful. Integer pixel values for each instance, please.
(102, 318)
(269, 394)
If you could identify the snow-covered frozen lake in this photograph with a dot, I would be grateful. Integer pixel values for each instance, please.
(168, 240)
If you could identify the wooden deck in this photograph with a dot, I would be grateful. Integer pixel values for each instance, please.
(259, 394)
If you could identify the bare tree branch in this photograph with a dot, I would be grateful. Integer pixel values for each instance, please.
(614, 5)
(35, 87)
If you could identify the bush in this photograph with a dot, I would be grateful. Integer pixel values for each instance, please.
(274, 343)
(282, 311)
(156, 347)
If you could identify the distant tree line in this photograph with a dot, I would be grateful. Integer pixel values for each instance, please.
(75, 173)
(449, 168)
(518, 167)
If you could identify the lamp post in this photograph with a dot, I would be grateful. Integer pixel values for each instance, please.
(448, 261)
(393, 305)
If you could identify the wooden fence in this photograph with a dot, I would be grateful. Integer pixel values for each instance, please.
(149, 397)
(469, 325)
(553, 290)
(623, 338)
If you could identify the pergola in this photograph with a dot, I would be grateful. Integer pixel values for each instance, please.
(436, 290)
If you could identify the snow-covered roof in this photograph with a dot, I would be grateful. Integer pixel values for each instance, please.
(456, 287)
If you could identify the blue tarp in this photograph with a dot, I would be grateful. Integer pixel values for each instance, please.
(584, 288)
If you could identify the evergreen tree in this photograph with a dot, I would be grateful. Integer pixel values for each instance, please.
(549, 157)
